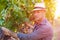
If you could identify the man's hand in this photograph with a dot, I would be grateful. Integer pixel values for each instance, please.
(29, 25)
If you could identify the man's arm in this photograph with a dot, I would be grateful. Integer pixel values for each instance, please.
(40, 33)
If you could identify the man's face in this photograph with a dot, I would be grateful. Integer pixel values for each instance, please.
(38, 15)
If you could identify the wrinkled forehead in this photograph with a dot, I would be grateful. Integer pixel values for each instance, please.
(39, 11)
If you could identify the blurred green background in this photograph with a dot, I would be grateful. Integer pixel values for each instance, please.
(13, 13)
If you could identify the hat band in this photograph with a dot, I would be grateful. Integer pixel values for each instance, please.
(39, 8)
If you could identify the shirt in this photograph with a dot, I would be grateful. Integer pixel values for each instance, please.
(43, 31)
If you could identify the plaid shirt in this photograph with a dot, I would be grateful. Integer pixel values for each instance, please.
(43, 31)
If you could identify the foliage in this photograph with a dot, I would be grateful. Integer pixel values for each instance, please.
(51, 7)
(13, 13)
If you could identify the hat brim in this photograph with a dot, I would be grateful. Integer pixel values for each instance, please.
(38, 9)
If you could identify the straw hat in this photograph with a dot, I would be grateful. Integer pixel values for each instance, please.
(39, 6)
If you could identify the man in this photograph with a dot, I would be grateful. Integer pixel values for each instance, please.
(42, 29)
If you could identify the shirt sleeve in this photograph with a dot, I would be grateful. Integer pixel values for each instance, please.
(37, 34)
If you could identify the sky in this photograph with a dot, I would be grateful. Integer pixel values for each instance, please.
(57, 12)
